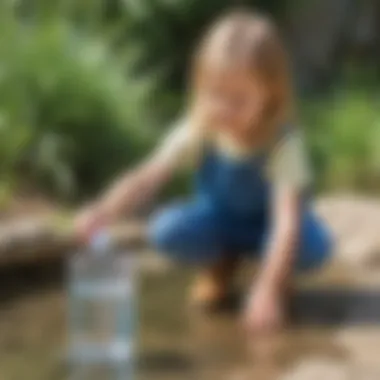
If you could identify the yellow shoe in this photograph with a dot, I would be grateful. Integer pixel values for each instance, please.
(213, 285)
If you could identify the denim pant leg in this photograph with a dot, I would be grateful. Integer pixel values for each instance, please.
(314, 248)
(187, 232)
(316, 243)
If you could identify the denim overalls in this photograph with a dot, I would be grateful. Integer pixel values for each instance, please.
(230, 214)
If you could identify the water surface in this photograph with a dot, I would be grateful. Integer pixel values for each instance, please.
(174, 343)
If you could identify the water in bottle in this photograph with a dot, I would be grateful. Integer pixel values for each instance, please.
(101, 313)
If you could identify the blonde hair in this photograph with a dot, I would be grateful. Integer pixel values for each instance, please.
(251, 38)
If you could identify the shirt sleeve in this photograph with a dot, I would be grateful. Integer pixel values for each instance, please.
(289, 165)
(179, 148)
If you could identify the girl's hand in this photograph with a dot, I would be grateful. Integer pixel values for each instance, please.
(264, 311)
(89, 220)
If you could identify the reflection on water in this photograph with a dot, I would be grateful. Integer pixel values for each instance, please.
(188, 345)
(175, 343)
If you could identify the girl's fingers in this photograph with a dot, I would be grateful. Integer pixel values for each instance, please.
(87, 224)
(261, 324)
(252, 324)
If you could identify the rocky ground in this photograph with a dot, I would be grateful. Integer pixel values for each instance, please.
(355, 223)
(176, 344)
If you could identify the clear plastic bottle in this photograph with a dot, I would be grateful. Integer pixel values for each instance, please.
(101, 301)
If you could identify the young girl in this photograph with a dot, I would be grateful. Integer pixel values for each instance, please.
(251, 173)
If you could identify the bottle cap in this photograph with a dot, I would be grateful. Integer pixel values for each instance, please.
(100, 241)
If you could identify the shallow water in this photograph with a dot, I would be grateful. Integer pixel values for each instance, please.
(174, 342)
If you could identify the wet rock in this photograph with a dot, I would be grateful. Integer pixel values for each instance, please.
(316, 369)
(41, 238)
(354, 223)
(362, 346)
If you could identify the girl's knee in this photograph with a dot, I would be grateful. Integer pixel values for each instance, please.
(183, 233)
(163, 230)
(316, 245)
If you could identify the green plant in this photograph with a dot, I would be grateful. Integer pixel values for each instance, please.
(343, 131)
(71, 115)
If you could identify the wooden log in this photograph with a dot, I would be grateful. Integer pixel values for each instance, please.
(42, 239)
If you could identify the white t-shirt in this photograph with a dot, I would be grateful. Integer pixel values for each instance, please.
(288, 164)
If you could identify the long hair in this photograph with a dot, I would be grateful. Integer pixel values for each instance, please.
(252, 39)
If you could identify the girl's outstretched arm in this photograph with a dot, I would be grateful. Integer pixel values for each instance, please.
(140, 184)
(266, 305)
(280, 253)
(137, 185)
(290, 174)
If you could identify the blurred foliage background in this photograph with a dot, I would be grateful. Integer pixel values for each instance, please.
(88, 86)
